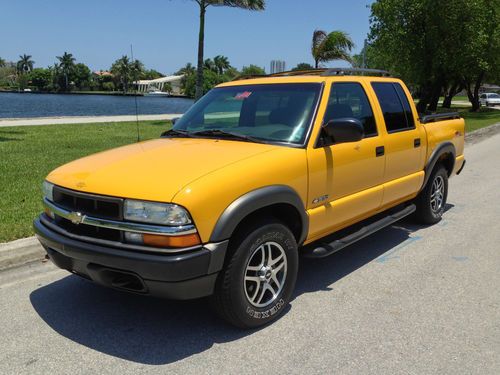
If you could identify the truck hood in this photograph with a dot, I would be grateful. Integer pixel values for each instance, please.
(153, 170)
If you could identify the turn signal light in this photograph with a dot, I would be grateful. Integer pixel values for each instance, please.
(171, 241)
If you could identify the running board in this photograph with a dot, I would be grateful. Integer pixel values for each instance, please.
(324, 249)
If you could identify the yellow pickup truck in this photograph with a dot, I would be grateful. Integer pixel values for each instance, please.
(256, 173)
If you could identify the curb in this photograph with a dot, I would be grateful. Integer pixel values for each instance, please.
(19, 252)
(480, 134)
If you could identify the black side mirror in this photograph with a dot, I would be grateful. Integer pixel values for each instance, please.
(344, 130)
(174, 120)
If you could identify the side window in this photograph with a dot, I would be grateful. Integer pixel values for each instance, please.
(348, 99)
(396, 109)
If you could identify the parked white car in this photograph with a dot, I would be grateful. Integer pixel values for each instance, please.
(489, 99)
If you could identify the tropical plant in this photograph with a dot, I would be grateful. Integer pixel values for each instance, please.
(186, 69)
(221, 63)
(252, 70)
(126, 71)
(25, 64)
(204, 4)
(2, 63)
(81, 75)
(210, 65)
(303, 66)
(66, 67)
(336, 45)
(41, 78)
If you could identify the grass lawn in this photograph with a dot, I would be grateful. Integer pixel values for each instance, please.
(475, 120)
(29, 153)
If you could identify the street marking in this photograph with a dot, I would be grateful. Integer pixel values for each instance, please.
(460, 258)
(389, 255)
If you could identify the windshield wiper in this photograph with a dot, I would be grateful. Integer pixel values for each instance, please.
(223, 134)
(176, 132)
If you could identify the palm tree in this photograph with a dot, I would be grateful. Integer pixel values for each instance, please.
(127, 71)
(221, 63)
(66, 65)
(209, 65)
(186, 70)
(2, 63)
(204, 4)
(332, 46)
(25, 64)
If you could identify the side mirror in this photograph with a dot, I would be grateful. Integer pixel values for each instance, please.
(344, 130)
(174, 120)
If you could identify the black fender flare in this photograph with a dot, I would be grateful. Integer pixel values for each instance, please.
(253, 201)
(443, 148)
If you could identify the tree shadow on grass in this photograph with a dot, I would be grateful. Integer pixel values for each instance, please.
(154, 331)
(7, 138)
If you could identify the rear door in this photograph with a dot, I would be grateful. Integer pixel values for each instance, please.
(403, 142)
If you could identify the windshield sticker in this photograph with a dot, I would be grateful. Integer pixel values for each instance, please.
(243, 95)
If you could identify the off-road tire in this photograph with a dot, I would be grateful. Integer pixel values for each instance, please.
(428, 210)
(231, 299)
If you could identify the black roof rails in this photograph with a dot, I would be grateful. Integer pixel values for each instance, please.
(325, 72)
(355, 71)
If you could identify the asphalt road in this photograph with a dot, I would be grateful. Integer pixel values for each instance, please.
(407, 300)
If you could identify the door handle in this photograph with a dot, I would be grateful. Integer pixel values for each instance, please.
(379, 151)
(416, 142)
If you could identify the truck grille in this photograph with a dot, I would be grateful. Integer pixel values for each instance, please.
(92, 205)
(89, 204)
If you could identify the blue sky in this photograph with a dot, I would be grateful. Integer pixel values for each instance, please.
(164, 32)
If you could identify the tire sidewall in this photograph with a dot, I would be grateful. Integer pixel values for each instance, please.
(439, 172)
(250, 315)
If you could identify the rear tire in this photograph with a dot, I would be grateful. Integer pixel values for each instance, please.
(259, 278)
(432, 199)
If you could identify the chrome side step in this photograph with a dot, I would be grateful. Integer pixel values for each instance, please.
(322, 250)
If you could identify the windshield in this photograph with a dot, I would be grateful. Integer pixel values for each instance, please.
(496, 96)
(268, 113)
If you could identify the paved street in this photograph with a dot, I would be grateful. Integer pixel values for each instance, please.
(408, 300)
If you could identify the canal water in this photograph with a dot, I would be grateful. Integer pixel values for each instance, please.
(23, 105)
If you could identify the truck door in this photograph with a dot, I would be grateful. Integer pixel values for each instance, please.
(403, 143)
(345, 180)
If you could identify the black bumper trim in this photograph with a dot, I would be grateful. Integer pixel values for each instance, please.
(179, 276)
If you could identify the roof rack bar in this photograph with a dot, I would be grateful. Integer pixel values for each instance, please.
(353, 71)
(325, 72)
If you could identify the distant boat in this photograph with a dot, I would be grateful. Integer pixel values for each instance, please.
(27, 90)
(156, 93)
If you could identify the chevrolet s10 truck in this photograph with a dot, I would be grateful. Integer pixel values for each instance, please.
(257, 172)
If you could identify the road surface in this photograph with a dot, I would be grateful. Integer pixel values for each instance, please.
(407, 300)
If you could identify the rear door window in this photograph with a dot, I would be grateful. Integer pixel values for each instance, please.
(395, 106)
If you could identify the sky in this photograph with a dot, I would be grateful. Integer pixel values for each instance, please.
(164, 33)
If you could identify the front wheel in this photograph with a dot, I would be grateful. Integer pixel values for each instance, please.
(432, 199)
(258, 281)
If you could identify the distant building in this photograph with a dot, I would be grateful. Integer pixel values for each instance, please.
(278, 66)
(148, 85)
(103, 73)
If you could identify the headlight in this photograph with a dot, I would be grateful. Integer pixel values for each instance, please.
(155, 213)
(47, 189)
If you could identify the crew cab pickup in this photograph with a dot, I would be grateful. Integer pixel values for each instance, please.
(257, 172)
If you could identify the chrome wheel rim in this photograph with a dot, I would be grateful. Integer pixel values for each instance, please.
(265, 274)
(437, 194)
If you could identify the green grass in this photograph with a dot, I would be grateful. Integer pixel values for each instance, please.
(475, 120)
(29, 153)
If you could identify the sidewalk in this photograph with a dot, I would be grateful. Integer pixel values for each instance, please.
(82, 119)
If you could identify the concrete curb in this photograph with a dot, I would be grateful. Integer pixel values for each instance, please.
(19, 252)
(480, 134)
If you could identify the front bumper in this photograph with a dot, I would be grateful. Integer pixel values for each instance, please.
(178, 276)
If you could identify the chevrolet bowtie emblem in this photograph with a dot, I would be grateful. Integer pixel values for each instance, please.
(75, 217)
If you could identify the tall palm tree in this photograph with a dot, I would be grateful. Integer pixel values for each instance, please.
(66, 65)
(331, 46)
(209, 64)
(25, 64)
(127, 71)
(221, 63)
(186, 70)
(204, 4)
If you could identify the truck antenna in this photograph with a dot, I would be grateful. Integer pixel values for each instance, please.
(134, 75)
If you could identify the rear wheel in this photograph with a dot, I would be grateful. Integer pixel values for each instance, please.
(258, 281)
(432, 199)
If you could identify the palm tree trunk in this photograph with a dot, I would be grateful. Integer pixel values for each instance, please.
(201, 37)
(316, 64)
